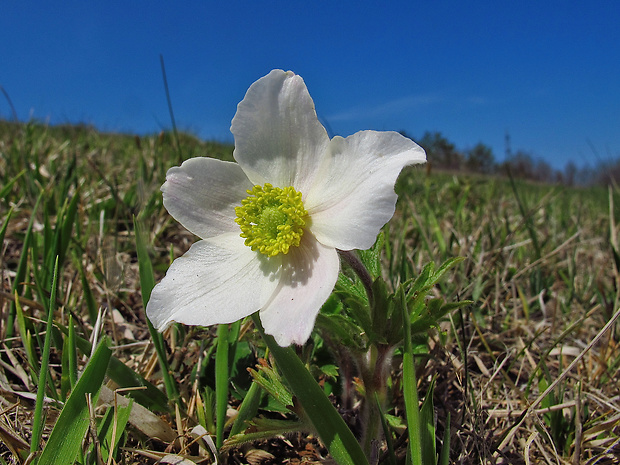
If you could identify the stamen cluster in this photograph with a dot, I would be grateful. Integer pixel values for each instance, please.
(271, 219)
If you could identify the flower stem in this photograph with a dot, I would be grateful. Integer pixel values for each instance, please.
(356, 264)
(376, 367)
(221, 382)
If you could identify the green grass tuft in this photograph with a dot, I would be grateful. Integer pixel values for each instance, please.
(539, 265)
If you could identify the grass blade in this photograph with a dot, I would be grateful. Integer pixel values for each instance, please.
(37, 421)
(69, 361)
(410, 393)
(9, 185)
(427, 428)
(66, 228)
(5, 225)
(65, 441)
(25, 334)
(527, 217)
(147, 283)
(328, 423)
(91, 305)
(20, 274)
(391, 458)
(444, 458)
(169, 100)
(110, 430)
(248, 408)
(149, 396)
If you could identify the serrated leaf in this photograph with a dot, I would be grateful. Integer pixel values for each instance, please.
(445, 267)
(269, 379)
(371, 258)
(341, 329)
(348, 288)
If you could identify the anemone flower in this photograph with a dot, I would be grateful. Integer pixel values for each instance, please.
(272, 222)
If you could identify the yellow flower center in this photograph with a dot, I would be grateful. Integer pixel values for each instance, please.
(271, 219)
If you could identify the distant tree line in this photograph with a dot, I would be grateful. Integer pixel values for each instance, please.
(444, 155)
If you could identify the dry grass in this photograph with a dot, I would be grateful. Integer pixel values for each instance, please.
(539, 268)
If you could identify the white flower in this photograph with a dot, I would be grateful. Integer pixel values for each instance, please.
(270, 224)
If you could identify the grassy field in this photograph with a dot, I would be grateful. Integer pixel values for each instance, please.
(527, 371)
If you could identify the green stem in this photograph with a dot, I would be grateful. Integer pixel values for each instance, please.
(374, 368)
(326, 420)
(356, 265)
(372, 428)
(375, 374)
(221, 383)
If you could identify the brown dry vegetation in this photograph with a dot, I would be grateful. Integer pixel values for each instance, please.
(541, 270)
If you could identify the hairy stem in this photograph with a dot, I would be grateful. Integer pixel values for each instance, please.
(356, 264)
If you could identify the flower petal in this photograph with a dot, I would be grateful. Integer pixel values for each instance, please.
(278, 137)
(202, 194)
(308, 277)
(353, 193)
(218, 280)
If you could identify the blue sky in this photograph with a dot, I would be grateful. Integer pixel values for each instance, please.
(545, 72)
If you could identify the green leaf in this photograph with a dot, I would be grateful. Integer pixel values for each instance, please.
(326, 420)
(269, 379)
(420, 284)
(444, 458)
(66, 229)
(59, 243)
(86, 290)
(265, 428)
(37, 422)
(147, 283)
(445, 267)
(69, 361)
(20, 274)
(65, 440)
(205, 409)
(9, 185)
(391, 458)
(5, 225)
(410, 393)
(125, 377)
(25, 331)
(248, 409)
(380, 310)
(351, 288)
(111, 427)
(341, 329)
(429, 277)
(371, 258)
(427, 427)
